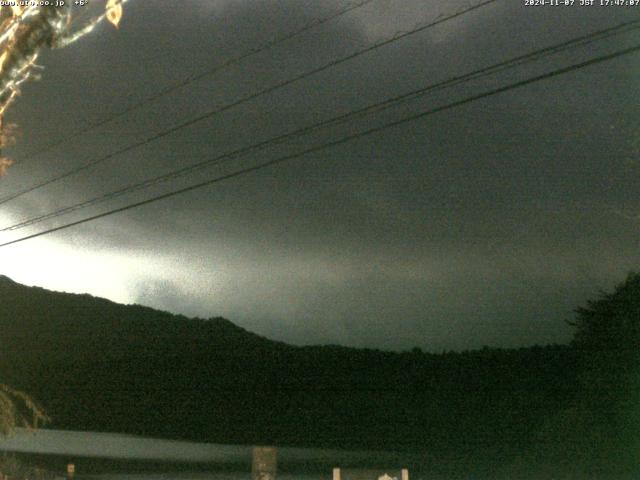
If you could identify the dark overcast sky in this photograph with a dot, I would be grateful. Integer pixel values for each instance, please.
(486, 224)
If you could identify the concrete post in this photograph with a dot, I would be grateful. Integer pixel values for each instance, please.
(264, 465)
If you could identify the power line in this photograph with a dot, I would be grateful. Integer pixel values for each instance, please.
(194, 78)
(373, 108)
(335, 143)
(245, 99)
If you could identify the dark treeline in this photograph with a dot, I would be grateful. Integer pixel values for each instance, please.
(567, 410)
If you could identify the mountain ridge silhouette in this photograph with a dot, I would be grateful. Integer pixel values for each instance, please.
(101, 366)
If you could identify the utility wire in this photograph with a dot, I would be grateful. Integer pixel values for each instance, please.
(199, 76)
(583, 40)
(318, 148)
(245, 99)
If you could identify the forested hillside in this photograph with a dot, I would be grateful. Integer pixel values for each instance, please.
(96, 365)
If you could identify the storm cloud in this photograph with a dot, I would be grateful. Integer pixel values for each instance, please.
(485, 224)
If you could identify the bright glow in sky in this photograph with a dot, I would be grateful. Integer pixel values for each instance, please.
(486, 224)
(59, 266)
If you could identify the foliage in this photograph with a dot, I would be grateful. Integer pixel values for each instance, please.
(17, 409)
(12, 467)
(596, 434)
(607, 341)
(26, 28)
(599, 433)
(612, 322)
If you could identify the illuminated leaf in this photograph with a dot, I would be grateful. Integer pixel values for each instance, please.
(3, 57)
(114, 11)
(5, 163)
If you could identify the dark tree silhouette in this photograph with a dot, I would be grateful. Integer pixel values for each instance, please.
(607, 341)
(17, 409)
(612, 322)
